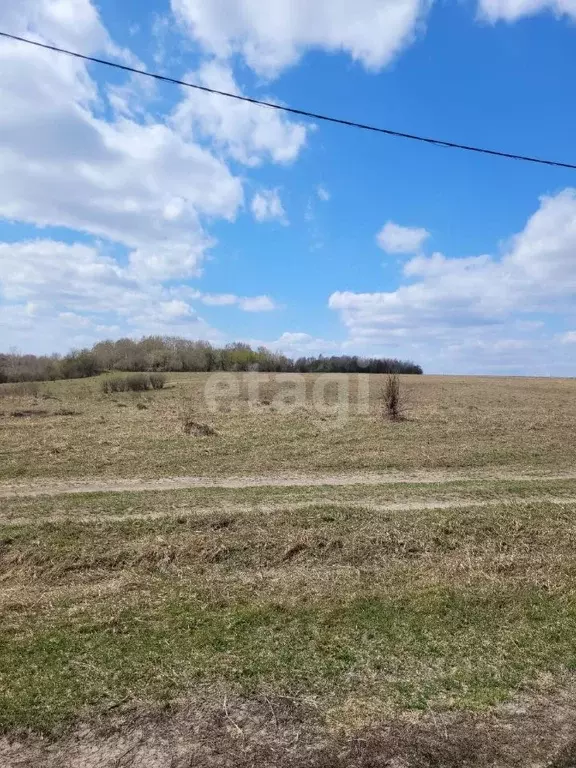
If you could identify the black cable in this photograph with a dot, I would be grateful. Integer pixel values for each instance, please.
(292, 110)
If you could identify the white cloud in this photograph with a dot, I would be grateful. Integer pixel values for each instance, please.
(294, 343)
(60, 288)
(512, 10)
(161, 29)
(73, 320)
(303, 341)
(75, 277)
(483, 297)
(175, 309)
(74, 23)
(139, 181)
(274, 35)
(257, 304)
(267, 206)
(218, 299)
(323, 193)
(248, 133)
(394, 238)
(142, 185)
(90, 158)
(50, 289)
(568, 338)
(78, 279)
(245, 303)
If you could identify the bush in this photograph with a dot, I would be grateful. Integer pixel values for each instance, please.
(112, 384)
(157, 380)
(133, 382)
(138, 382)
(392, 397)
(22, 389)
(78, 365)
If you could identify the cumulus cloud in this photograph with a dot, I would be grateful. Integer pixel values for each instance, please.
(294, 343)
(90, 158)
(76, 278)
(217, 299)
(273, 36)
(248, 133)
(512, 10)
(304, 341)
(257, 304)
(267, 206)
(74, 287)
(245, 303)
(64, 288)
(74, 23)
(146, 184)
(140, 184)
(73, 320)
(394, 238)
(451, 298)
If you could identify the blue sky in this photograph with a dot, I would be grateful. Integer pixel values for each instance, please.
(130, 208)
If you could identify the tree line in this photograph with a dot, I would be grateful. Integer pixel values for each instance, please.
(167, 353)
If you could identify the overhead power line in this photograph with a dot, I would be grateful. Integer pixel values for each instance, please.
(293, 110)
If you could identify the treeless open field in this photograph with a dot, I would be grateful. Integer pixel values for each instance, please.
(456, 423)
(317, 587)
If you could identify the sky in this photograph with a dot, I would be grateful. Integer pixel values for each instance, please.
(130, 207)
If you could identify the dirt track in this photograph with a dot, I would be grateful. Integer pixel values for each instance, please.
(46, 487)
(407, 506)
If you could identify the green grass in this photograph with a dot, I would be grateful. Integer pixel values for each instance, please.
(326, 594)
(356, 608)
(444, 647)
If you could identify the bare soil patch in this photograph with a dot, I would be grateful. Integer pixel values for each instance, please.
(536, 731)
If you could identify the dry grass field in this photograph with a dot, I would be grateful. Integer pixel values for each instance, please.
(455, 423)
(293, 585)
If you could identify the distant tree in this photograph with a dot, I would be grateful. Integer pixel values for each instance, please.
(171, 353)
(79, 364)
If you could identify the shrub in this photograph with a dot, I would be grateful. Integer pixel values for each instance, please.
(79, 364)
(392, 397)
(113, 384)
(22, 389)
(157, 380)
(133, 382)
(138, 382)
